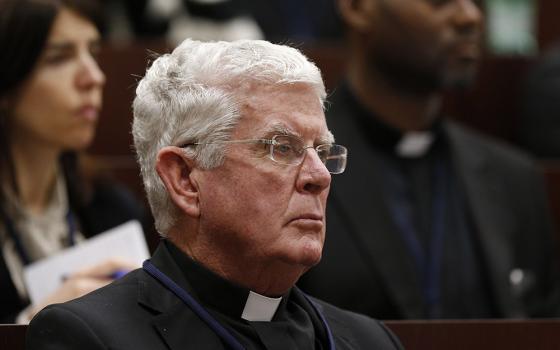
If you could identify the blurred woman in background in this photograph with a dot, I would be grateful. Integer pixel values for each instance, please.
(50, 98)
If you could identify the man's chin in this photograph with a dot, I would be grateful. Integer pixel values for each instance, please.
(310, 254)
(461, 77)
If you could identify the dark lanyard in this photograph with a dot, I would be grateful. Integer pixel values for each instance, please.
(428, 263)
(201, 312)
(14, 235)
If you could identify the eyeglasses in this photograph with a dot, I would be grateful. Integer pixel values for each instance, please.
(290, 150)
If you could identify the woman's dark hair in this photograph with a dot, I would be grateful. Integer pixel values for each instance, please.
(24, 29)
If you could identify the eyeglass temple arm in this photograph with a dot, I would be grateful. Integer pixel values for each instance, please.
(265, 141)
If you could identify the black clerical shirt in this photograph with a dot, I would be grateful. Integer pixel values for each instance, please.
(295, 324)
(413, 185)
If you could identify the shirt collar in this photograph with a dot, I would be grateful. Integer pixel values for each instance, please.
(259, 307)
(391, 140)
(222, 295)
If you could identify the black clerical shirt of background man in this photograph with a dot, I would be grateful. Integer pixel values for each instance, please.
(432, 220)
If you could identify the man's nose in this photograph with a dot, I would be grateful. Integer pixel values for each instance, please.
(467, 15)
(313, 175)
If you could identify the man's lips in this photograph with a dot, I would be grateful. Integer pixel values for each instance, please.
(309, 217)
(308, 221)
(467, 50)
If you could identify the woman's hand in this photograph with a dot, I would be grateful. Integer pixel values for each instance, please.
(84, 281)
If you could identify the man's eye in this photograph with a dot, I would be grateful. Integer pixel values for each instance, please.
(284, 148)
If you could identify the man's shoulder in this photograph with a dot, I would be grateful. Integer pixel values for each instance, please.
(359, 330)
(464, 137)
(104, 302)
(94, 320)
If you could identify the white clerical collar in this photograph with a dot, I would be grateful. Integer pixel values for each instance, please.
(260, 308)
(414, 144)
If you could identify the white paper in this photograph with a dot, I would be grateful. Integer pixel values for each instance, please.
(125, 241)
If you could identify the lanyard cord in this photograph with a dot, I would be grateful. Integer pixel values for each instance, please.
(201, 312)
(428, 263)
(330, 337)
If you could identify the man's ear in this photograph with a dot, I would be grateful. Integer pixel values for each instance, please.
(357, 14)
(175, 170)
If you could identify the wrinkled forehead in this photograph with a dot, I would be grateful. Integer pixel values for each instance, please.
(324, 136)
(286, 109)
(266, 96)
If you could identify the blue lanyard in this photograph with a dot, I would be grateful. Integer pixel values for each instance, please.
(428, 263)
(201, 312)
(14, 234)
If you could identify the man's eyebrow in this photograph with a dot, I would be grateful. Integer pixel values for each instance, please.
(282, 129)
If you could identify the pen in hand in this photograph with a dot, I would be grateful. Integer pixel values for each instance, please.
(118, 274)
(115, 275)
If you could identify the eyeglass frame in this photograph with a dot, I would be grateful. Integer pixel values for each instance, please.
(272, 143)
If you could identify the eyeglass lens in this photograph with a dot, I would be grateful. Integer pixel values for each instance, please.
(290, 150)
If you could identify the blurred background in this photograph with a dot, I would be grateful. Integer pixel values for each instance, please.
(516, 97)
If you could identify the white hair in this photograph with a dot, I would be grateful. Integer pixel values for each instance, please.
(194, 94)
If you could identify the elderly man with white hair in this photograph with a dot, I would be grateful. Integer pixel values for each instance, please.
(236, 159)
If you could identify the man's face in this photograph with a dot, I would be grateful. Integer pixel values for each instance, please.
(425, 45)
(261, 211)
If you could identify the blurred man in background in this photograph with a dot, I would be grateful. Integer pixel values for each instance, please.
(432, 220)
